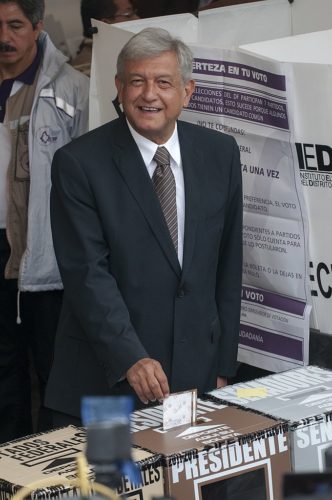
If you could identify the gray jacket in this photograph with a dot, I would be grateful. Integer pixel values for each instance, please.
(59, 114)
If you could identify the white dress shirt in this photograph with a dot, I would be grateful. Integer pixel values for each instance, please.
(148, 149)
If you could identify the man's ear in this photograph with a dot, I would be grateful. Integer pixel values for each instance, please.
(119, 86)
(38, 28)
(189, 89)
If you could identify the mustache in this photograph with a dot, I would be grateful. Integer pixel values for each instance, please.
(5, 47)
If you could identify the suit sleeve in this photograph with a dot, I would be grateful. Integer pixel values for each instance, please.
(84, 261)
(229, 278)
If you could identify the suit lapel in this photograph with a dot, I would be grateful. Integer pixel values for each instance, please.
(132, 169)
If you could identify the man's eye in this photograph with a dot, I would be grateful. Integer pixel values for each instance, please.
(164, 84)
(15, 26)
(136, 82)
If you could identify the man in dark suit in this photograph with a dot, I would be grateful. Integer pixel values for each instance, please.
(149, 247)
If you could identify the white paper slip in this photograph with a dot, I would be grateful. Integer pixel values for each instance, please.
(179, 409)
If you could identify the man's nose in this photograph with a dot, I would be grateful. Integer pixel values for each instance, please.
(4, 33)
(149, 91)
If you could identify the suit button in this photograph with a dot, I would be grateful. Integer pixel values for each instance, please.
(181, 292)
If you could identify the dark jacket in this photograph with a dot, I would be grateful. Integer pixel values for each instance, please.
(126, 296)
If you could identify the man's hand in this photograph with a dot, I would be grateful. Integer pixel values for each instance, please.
(221, 382)
(148, 380)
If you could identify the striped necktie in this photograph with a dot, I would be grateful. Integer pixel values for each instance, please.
(164, 183)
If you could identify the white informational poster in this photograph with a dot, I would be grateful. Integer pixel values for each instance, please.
(309, 75)
(247, 97)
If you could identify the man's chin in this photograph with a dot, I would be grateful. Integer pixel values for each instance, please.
(147, 129)
(8, 57)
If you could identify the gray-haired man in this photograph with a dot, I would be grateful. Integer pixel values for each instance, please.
(152, 299)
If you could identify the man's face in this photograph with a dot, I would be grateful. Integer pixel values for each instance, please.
(152, 94)
(17, 39)
(124, 11)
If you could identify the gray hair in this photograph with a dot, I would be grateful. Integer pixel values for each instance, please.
(152, 42)
(32, 9)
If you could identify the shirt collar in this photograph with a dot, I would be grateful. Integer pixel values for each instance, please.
(148, 148)
(28, 75)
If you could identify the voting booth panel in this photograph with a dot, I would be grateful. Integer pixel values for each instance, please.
(309, 70)
(249, 98)
(229, 27)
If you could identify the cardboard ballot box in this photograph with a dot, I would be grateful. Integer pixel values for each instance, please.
(229, 453)
(53, 455)
(150, 417)
(302, 397)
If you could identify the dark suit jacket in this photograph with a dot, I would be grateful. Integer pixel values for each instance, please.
(126, 296)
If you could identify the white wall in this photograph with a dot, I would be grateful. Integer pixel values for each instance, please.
(229, 27)
(311, 15)
(64, 25)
